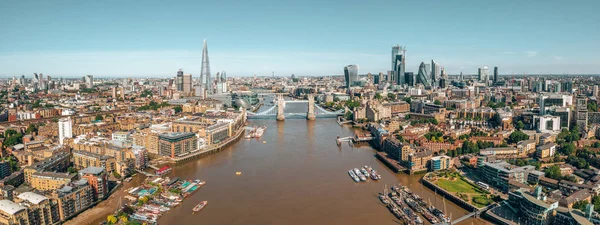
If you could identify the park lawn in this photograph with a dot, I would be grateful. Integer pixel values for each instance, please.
(481, 201)
(456, 185)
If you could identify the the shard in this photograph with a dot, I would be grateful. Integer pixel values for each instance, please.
(205, 70)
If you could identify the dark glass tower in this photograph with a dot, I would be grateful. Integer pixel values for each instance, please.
(350, 75)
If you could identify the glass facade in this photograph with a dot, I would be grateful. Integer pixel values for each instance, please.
(350, 75)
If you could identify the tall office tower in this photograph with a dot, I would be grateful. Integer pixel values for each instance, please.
(350, 75)
(122, 92)
(542, 105)
(398, 63)
(482, 74)
(379, 78)
(544, 85)
(435, 68)
(205, 70)
(568, 86)
(581, 117)
(114, 92)
(495, 74)
(224, 76)
(179, 80)
(595, 91)
(89, 81)
(409, 78)
(22, 80)
(187, 83)
(461, 77)
(65, 129)
(443, 73)
(422, 75)
(443, 83)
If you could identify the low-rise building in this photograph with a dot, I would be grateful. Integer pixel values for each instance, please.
(97, 179)
(440, 163)
(498, 174)
(175, 144)
(545, 151)
(12, 213)
(45, 181)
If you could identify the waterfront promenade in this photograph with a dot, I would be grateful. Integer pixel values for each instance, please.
(211, 148)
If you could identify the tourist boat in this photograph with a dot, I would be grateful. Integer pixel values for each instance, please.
(260, 131)
(128, 179)
(364, 172)
(353, 175)
(200, 206)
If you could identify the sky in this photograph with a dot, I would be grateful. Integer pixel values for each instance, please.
(156, 38)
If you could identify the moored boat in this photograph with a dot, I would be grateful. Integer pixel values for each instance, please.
(200, 206)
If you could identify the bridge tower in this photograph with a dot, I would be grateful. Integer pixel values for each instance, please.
(310, 115)
(280, 107)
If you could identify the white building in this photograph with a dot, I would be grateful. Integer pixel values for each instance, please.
(121, 136)
(547, 123)
(89, 81)
(65, 129)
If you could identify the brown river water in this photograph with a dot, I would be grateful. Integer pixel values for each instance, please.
(299, 176)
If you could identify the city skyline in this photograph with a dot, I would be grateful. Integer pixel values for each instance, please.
(528, 38)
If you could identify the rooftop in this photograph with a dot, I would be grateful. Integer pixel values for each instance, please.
(32, 197)
(10, 207)
(92, 170)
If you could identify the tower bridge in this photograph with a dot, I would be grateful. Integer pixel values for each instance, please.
(278, 110)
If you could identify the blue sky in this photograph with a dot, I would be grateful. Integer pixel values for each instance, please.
(137, 38)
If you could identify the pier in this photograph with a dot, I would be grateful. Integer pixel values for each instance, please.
(211, 148)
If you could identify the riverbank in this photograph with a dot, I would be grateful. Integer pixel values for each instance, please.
(212, 148)
(100, 211)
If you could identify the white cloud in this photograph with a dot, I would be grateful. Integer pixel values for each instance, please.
(531, 53)
(558, 58)
(509, 53)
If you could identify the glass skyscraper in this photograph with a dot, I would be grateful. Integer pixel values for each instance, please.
(398, 63)
(350, 75)
(422, 75)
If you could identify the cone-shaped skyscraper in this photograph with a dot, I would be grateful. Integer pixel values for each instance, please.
(422, 75)
(205, 70)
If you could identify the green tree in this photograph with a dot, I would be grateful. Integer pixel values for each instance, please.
(378, 96)
(580, 205)
(520, 125)
(99, 117)
(496, 120)
(31, 128)
(407, 99)
(71, 170)
(567, 148)
(391, 96)
(437, 102)
(553, 172)
(517, 136)
(596, 145)
(349, 115)
(177, 109)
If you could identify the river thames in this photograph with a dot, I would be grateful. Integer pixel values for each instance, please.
(299, 176)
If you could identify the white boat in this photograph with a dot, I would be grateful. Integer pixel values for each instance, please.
(260, 131)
